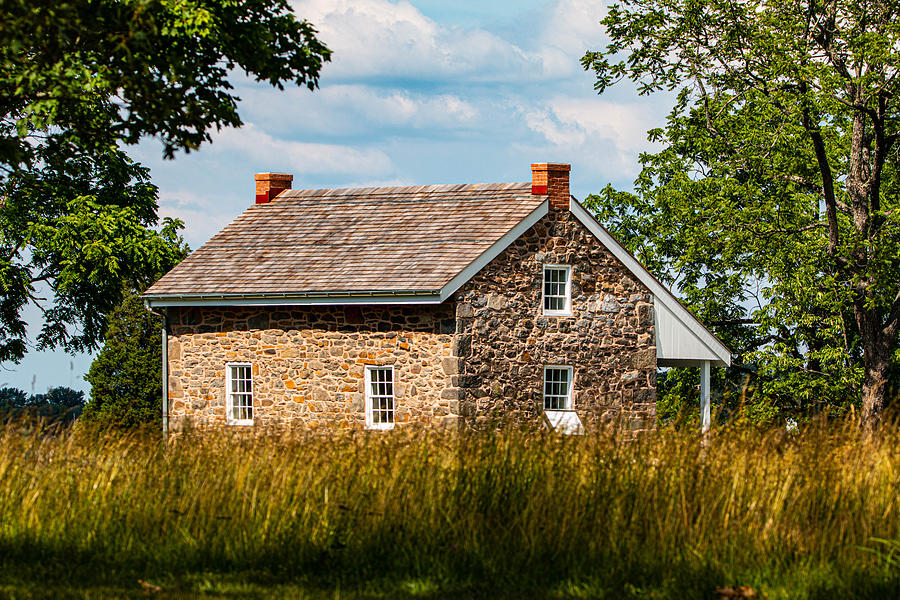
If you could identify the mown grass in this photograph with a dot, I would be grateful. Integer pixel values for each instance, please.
(440, 515)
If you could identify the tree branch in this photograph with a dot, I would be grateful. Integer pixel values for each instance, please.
(827, 180)
(772, 232)
(726, 322)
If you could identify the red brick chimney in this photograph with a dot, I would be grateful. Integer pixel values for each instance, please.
(551, 179)
(269, 185)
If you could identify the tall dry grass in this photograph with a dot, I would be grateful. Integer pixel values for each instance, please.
(490, 512)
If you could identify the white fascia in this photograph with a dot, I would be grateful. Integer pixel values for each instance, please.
(719, 352)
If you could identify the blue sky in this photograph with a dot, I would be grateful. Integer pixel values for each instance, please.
(418, 92)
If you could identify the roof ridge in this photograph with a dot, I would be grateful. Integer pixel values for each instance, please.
(407, 189)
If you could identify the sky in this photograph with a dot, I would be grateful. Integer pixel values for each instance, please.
(418, 92)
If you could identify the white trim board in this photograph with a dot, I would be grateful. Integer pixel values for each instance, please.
(679, 334)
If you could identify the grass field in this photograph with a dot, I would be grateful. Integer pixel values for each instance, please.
(419, 515)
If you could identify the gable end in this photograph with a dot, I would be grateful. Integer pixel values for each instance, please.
(682, 339)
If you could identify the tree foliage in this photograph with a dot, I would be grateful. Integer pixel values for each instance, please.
(79, 81)
(58, 405)
(11, 398)
(125, 377)
(773, 204)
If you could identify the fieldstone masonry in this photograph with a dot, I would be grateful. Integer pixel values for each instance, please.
(308, 363)
(504, 341)
(479, 355)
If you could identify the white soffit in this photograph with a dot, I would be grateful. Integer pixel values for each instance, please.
(681, 339)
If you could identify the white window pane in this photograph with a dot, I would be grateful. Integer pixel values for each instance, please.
(557, 389)
(556, 289)
(380, 396)
(240, 392)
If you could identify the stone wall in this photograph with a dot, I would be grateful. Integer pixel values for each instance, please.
(308, 363)
(503, 340)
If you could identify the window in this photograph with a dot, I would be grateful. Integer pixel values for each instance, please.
(380, 397)
(557, 290)
(558, 388)
(239, 386)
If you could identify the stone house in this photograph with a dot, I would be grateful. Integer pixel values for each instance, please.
(434, 305)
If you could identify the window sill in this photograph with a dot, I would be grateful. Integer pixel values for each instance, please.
(558, 314)
(564, 421)
(242, 423)
(379, 426)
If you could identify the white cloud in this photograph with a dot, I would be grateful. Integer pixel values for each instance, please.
(341, 110)
(606, 137)
(378, 39)
(573, 27)
(300, 157)
(203, 216)
(577, 121)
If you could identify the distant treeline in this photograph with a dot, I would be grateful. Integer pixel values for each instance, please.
(59, 404)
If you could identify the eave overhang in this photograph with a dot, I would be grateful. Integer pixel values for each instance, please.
(295, 298)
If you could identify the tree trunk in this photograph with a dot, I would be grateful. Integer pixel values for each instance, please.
(874, 387)
(877, 341)
(877, 346)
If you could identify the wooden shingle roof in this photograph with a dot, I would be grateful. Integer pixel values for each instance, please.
(388, 239)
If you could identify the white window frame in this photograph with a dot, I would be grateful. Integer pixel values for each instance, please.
(567, 309)
(229, 400)
(570, 395)
(370, 397)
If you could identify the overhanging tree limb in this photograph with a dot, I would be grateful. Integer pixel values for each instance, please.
(79, 82)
